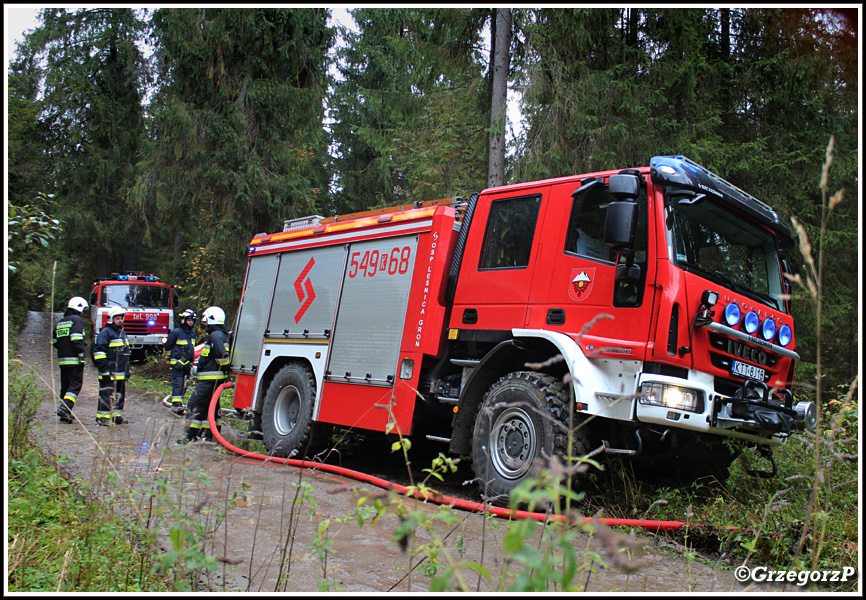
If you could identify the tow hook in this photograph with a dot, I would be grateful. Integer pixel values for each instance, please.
(767, 453)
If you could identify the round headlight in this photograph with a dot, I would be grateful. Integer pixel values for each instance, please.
(768, 329)
(732, 314)
(752, 321)
(785, 335)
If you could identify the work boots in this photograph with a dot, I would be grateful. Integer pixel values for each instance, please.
(65, 414)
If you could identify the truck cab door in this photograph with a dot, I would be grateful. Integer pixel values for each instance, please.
(586, 277)
(499, 262)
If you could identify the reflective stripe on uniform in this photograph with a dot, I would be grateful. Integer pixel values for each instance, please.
(116, 343)
(98, 355)
(211, 375)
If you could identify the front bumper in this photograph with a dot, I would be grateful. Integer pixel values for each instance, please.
(750, 414)
(139, 341)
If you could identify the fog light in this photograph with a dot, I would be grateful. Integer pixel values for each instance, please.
(672, 396)
(752, 322)
(768, 329)
(785, 335)
(732, 314)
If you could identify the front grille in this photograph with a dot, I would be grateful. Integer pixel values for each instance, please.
(135, 327)
(721, 343)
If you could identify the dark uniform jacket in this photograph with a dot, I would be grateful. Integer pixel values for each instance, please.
(214, 359)
(111, 353)
(181, 346)
(69, 339)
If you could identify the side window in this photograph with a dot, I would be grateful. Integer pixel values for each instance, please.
(509, 234)
(586, 225)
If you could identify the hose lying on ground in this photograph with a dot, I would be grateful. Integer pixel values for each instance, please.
(467, 505)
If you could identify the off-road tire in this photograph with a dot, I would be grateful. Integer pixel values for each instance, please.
(287, 414)
(522, 422)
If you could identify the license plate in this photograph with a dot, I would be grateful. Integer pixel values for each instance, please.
(746, 370)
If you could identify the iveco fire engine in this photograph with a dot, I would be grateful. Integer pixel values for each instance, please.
(643, 311)
(149, 305)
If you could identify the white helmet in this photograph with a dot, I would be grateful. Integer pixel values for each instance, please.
(214, 315)
(77, 303)
(116, 311)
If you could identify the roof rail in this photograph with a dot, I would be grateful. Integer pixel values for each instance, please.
(392, 209)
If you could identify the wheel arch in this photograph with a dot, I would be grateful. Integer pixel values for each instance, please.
(270, 372)
(506, 357)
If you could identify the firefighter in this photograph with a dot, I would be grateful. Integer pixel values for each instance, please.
(111, 357)
(181, 347)
(212, 366)
(69, 342)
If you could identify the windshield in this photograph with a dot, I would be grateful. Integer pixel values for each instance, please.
(707, 239)
(143, 296)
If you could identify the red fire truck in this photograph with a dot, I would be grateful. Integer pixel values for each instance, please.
(149, 305)
(640, 313)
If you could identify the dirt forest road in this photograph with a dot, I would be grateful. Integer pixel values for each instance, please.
(262, 545)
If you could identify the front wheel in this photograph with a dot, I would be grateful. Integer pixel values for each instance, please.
(287, 414)
(521, 424)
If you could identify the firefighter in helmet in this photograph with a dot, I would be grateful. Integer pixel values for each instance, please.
(111, 358)
(212, 366)
(181, 347)
(69, 342)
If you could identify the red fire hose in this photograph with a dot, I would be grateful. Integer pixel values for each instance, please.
(435, 498)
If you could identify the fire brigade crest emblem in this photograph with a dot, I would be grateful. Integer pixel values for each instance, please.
(580, 283)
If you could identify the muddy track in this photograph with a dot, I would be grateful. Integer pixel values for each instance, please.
(131, 461)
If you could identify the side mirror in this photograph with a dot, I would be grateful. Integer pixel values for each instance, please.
(620, 224)
(175, 298)
(92, 298)
(620, 227)
(624, 187)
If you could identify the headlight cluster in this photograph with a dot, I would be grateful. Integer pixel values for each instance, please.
(752, 323)
(672, 396)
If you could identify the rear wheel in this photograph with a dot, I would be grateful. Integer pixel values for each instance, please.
(521, 424)
(287, 415)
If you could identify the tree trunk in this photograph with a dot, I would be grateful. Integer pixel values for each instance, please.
(498, 101)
